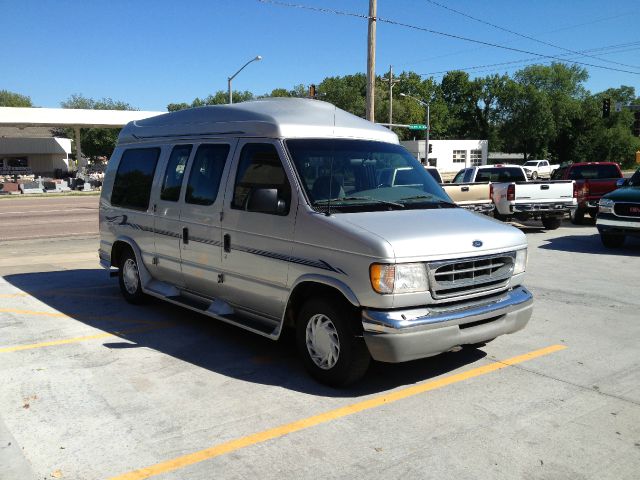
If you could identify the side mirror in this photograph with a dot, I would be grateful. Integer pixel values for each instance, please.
(265, 200)
(621, 182)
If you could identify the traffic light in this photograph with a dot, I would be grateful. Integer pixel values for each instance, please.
(606, 107)
(430, 148)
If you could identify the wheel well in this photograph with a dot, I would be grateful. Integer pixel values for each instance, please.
(306, 290)
(117, 250)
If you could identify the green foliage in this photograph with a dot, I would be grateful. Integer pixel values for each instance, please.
(221, 97)
(11, 99)
(95, 142)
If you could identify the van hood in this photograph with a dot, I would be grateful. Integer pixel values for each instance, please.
(436, 234)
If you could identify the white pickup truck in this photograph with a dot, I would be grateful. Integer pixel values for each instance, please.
(539, 169)
(515, 196)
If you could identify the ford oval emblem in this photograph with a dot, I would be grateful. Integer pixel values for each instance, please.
(477, 243)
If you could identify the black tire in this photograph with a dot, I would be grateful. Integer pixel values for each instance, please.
(499, 216)
(577, 216)
(612, 240)
(353, 357)
(129, 278)
(534, 175)
(551, 223)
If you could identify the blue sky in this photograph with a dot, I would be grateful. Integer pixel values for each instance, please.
(151, 53)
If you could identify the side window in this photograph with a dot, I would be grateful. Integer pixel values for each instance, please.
(459, 177)
(260, 167)
(172, 182)
(206, 173)
(132, 185)
(468, 175)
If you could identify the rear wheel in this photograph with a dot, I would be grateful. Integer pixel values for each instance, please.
(551, 223)
(612, 240)
(327, 343)
(577, 216)
(129, 278)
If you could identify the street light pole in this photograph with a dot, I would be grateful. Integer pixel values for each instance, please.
(428, 125)
(229, 79)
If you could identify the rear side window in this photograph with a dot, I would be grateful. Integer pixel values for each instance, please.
(206, 174)
(260, 167)
(500, 175)
(593, 172)
(132, 185)
(459, 177)
(174, 173)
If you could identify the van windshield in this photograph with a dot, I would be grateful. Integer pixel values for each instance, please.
(360, 175)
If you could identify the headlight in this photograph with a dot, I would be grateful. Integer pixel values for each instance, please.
(521, 261)
(605, 205)
(399, 277)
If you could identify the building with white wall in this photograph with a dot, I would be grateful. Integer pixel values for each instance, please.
(450, 156)
(41, 155)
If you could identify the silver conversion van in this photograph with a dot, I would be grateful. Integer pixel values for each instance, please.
(281, 213)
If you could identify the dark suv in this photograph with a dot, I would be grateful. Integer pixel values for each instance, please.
(619, 212)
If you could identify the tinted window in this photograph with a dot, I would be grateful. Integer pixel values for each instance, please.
(132, 185)
(501, 174)
(435, 174)
(559, 173)
(594, 172)
(260, 167)
(174, 173)
(206, 173)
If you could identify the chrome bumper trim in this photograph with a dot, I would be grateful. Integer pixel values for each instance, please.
(414, 320)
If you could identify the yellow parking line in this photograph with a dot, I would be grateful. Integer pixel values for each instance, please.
(65, 341)
(50, 293)
(233, 445)
(76, 317)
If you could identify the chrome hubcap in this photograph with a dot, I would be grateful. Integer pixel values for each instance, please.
(130, 276)
(322, 341)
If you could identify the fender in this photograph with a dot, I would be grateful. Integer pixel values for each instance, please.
(329, 281)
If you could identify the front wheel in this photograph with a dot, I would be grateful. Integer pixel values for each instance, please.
(534, 176)
(551, 223)
(612, 240)
(330, 349)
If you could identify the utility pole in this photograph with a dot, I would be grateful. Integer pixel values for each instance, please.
(390, 93)
(371, 61)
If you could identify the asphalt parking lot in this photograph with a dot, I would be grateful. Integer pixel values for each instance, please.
(95, 388)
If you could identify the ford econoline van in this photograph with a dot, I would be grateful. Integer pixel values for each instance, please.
(284, 213)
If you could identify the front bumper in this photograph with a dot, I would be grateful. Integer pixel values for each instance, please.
(611, 224)
(403, 335)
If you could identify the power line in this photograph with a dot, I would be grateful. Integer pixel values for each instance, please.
(529, 60)
(435, 32)
(549, 44)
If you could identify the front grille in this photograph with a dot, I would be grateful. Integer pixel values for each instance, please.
(624, 209)
(452, 278)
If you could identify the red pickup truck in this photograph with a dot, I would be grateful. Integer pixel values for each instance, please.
(592, 181)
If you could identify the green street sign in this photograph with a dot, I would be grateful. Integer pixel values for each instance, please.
(417, 126)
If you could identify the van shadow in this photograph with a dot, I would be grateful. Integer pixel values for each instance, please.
(592, 244)
(207, 343)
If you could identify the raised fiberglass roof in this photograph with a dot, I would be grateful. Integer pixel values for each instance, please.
(270, 118)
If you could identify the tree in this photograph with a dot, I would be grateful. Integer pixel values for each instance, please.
(221, 97)
(95, 142)
(11, 99)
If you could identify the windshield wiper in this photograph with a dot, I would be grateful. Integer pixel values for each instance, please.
(347, 199)
(433, 200)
